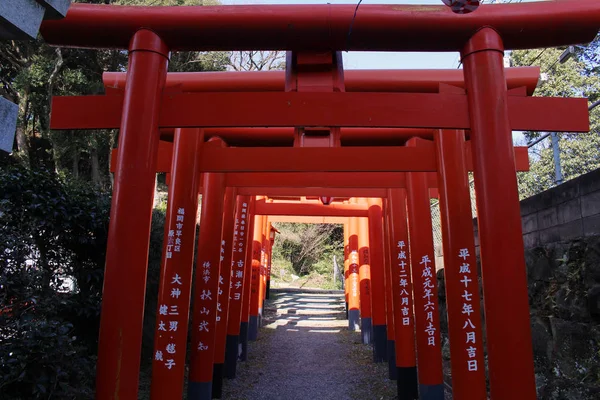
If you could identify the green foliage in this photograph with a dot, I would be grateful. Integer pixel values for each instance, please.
(579, 153)
(52, 246)
(309, 247)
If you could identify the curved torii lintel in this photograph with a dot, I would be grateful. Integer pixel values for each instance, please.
(326, 27)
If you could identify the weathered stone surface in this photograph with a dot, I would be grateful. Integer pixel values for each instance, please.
(539, 265)
(569, 211)
(541, 337)
(571, 230)
(531, 240)
(55, 9)
(8, 124)
(591, 258)
(593, 299)
(547, 218)
(591, 225)
(529, 223)
(590, 204)
(576, 347)
(20, 19)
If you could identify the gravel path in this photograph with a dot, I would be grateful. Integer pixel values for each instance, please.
(305, 351)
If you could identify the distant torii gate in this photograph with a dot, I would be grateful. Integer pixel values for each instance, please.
(487, 109)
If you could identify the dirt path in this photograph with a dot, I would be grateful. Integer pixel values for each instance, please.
(305, 351)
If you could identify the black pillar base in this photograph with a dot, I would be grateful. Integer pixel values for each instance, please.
(408, 387)
(232, 352)
(199, 390)
(391, 357)
(366, 330)
(353, 320)
(253, 325)
(432, 392)
(244, 341)
(379, 343)
(217, 383)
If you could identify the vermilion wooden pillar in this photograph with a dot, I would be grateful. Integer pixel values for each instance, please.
(353, 282)
(174, 291)
(264, 257)
(239, 281)
(364, 259)
(376, 264)
(427, 318)
(403, 298)
(255, 281)
(271, 241)
(500, 235)
(122, 314)
(460, 268)
(247, 284)
(346, 262)
(224, 288)
(389, 302)
(206, 285)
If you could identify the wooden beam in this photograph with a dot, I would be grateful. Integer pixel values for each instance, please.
(260, 109)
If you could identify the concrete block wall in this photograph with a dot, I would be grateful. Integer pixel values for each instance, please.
(563, 213)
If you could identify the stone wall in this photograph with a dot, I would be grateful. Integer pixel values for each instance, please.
(561, 233)
(566, 212)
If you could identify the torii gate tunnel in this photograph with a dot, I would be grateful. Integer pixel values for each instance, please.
(263, 147)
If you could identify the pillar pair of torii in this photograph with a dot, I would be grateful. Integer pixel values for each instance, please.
(233, 255)
(487, 110)
(164, 380)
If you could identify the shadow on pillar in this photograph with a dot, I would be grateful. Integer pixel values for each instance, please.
(268, 290)
(408, 387)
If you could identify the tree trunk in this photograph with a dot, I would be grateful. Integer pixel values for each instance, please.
(96, 179)
(76, 165)
(22, 140)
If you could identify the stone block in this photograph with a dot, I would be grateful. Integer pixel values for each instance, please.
(547, 218)
(20, 19)
(591, 225)
(549, 235)
(590, 204)
(565, 192)
(571, 230)
(531, 240)
(569, 211)
(8, 124)
(55, 9)
(529, 205)
(529, 223)
(589, 182)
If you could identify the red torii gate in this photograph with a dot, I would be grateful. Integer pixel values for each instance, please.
(487, 110)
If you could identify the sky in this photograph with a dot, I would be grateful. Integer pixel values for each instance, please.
(377, 60)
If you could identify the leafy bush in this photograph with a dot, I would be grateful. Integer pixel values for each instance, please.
(52, 248)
